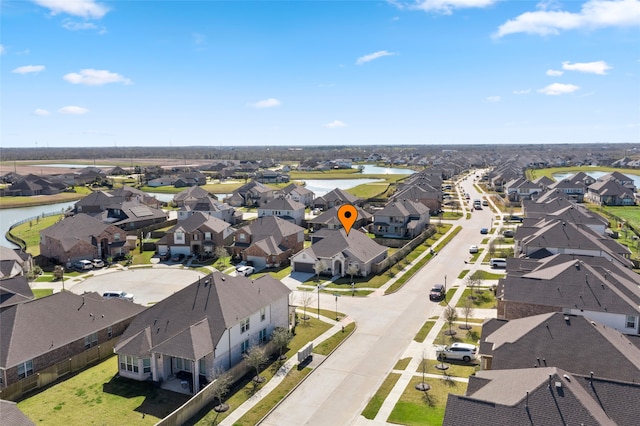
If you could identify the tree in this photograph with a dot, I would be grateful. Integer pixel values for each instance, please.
(58, 273)
(220, 254)
(306, 297)
(281, 338)
(491, 247)
(467, 310)
(450, 316)
(319, 267)
(221, 383)
(256, 358)
(352, 270)
(472, 283)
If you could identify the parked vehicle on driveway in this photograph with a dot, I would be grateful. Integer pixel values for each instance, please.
(245, 270)
(508, 233)
(83, 265)
(498, 262)
(458, 351)
(97, 263)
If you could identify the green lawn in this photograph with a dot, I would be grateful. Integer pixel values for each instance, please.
(424, 331)
(370, 190)
(13, 202)
(483, 300)
(417, 408)
(484, 275)
(372, 408)
(455, 370)
(30, 232)
(465, 336)
(42, 292)
(98, 396)
(402, 363)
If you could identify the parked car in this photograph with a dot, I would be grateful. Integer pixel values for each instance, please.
(457, 351)
(97, 263)
(485, 203)
(245, 270)
(177, 257)
(498, 262)
(484, 231)
(473, 249)
(83, 265)
(118, 294)
(508, 233)
(438, 292)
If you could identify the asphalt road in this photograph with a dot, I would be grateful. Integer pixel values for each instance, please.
(337, 391)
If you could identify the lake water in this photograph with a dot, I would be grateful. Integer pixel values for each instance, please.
(372, 169)
(322, 186)
(598, 175)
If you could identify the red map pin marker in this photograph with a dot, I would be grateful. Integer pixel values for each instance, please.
(347, 215)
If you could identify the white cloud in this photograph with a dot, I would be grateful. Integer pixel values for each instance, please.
(88, 9)
(265, 103)
(41, 112)
(522, 92)
(598, 67)
(73, 110)
(446, 7)
(493, 98)
(81, 26)
(558, 89)
(91, 77)
(335, 124)
(375, 55)
(28, 69)
(554, 73)
(593, 14)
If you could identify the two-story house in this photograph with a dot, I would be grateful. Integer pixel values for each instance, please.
(210, 206)
(298, 193)
(283, 208)
(197, 235)
(401, 219)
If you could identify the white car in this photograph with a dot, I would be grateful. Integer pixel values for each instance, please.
(118, 294)
(83, 265)
(245, 270)
(473, 249)
(97, 263)
(457, 351)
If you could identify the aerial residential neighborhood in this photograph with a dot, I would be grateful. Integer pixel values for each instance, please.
(549, 281)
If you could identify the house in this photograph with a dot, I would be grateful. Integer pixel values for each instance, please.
(591, 286)
(191, 193)
(520, 189)
(205, 327)
(197, 235)
(329, 219)
(129, 193)
(423, 193)
(268, 241)
(14, 262)
(401, 219)
(283, 208)
(555, 235)
(162, 181)
(132, 215)
(14, 290)
(543, 396)
(271, 176)
(542, 341)
(339, 252)
(11, 414)
(298, 193)
(37, 334)
(252, 194)
(212, 207)
(623, 180)
(82, 237)
(190, 179)
(610, 193)
(564, 209)
(35, 185)
(334, 198)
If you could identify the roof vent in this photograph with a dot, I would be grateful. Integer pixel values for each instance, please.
(223, 278)
(566, 376)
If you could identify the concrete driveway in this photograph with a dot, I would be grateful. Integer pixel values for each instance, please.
(148, 285)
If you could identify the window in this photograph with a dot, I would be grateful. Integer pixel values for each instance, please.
(91, 340)
(178, 237)
(207, 236)
(194, 237)
(244, 346)
(244, 325)
(183, 364)
(116, 236)
(631, 321)
(202, 366)
(110, 332)
(146, 365)
(241, 237)
(263, 314)
(25, 369)
(263, 335)
(129, 363)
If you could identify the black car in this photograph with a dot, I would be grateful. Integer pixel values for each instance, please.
(438, 292)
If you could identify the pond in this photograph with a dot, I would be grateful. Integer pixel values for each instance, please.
(322, 186)
(372, 169)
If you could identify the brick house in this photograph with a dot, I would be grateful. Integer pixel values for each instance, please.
(283, 208)
(42, 332)
(82, 237)
(199, 235)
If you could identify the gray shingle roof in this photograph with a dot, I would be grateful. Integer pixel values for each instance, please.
(356, 245)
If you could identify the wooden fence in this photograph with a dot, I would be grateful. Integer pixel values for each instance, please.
(382, 266)
(50, 374)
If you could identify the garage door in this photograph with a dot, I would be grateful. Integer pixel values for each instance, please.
(303, 267)
(258, 262)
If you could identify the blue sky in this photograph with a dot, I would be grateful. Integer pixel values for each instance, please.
(222, 73)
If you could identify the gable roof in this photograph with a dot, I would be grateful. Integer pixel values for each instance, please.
(403, 208)
(282, 204)
(79, 227)
(338, 194)
(15, 290)
(271, 226)
(356, 245)
(331, 216)
(200, 221)
(34, 328)
(189, 323)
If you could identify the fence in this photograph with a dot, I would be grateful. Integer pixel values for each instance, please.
(50, 374)
(382, 266)
(207, 394)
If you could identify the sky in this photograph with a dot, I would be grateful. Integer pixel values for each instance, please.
(92, 73)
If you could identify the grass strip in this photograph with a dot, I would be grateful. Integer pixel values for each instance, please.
(372, 408)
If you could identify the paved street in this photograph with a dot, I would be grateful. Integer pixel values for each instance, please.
(337, 391)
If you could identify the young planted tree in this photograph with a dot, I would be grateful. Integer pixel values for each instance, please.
(450, 316)
(281, 338)
(306, 298)
(221, 254)
(256, 358)
(491, 248)
(58, 273)
(353, 270)
(472, 283)
(319, 267)
(221, 383)
(467, 310)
